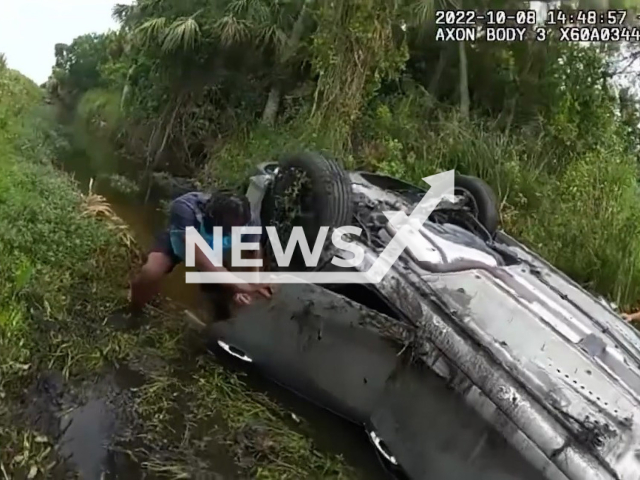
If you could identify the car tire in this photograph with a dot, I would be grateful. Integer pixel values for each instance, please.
(485, 202)
(330, 196)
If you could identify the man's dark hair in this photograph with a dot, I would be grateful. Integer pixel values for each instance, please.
(226, 209)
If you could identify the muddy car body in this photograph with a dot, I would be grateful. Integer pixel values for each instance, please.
(485, 358)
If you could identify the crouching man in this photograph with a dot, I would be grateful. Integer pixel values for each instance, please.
(203, 212)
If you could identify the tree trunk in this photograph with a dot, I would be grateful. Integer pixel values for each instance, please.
(434, 83)
(464, 81)
(273, 102)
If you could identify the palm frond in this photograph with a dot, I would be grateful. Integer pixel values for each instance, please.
(270, 34)
(238, 7)
(120, 12)
(3, 61)
(148, 6)
(423, 11)
(153, 29)
(259, 12)
(183, 33)
(232, 30)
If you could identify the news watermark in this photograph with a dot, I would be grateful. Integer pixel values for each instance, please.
(405, 227)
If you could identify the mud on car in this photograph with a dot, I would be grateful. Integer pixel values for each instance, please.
(484, 361)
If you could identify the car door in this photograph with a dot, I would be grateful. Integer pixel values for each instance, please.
(316, 343)
(430, 431)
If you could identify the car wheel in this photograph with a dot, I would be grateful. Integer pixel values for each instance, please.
(481, 200)
(266, 168)
(310, 191)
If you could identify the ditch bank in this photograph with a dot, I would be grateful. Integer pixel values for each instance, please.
(82, 398)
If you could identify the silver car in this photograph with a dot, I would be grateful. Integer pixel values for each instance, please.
(482, 360)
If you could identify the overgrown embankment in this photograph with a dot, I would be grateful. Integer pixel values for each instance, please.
(65, 265)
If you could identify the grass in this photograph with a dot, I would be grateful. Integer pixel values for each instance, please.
(66, 258)
(54, 260)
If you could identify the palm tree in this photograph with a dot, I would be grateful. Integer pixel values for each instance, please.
(275, 26)
(291, 47)
(267, 24)
(3, 62)
(421, 13)
(181, 34)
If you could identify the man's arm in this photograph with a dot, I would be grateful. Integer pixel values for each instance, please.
(180, 217)
(633, 317)
(265, 290)
(205, 265)
(256, 255)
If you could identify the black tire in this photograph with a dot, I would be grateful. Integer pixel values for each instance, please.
(328, 197)
(484, 201)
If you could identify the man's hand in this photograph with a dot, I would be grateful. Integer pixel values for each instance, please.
(247, 288)
(266, 291)
(243, 296)
(633, 317)
(242, 299)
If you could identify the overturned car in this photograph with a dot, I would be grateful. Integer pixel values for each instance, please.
(483, 361)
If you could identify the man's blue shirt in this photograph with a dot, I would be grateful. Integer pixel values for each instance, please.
(185, 211)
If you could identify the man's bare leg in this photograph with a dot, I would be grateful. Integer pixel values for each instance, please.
(146, 284)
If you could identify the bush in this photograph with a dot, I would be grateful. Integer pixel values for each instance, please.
(99, 112)
(18, 95)
(98, 121)
(589, 225)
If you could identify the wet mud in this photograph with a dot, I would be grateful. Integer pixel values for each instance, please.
(96, 434)
(85, 421)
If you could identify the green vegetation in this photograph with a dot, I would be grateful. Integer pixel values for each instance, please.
(208, 88)
(65, 262)
(43, 285)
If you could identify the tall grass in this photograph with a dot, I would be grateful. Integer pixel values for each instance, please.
(589, 226)
(53, 260)
(235, 159)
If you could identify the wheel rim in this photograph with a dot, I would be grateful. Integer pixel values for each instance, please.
(469, 200)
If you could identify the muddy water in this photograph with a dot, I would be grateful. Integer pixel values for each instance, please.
(84, 420)
(91, 425)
